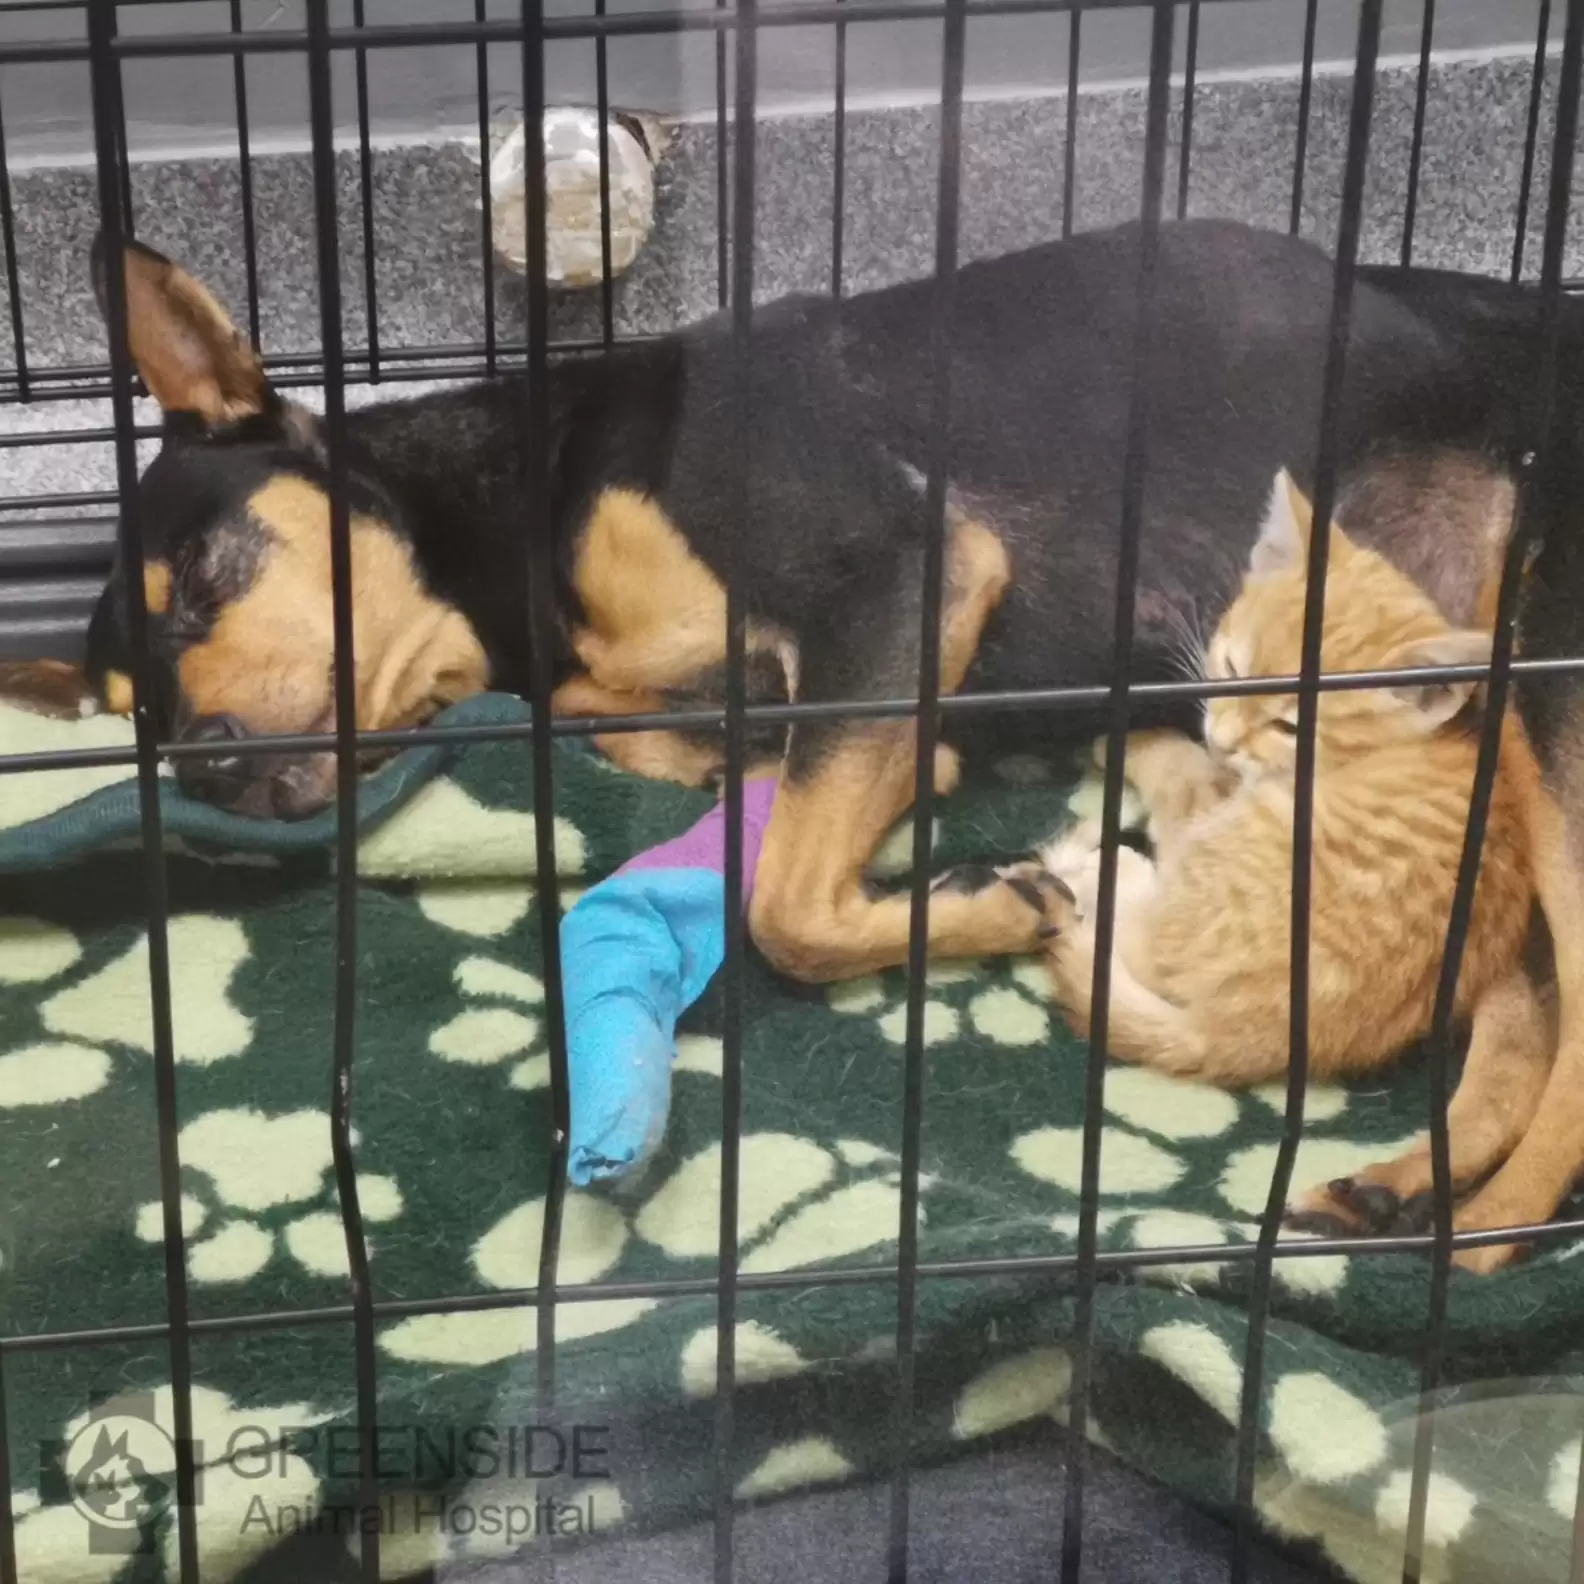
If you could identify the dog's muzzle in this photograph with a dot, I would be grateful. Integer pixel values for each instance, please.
(261, 785)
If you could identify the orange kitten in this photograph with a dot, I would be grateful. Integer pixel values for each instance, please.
(1200, 979)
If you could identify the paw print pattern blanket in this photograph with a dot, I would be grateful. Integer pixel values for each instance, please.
(451, 1110)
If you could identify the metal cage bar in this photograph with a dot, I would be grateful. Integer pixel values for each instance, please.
(239, 96)
(366, 195)
(12, 269)
(602, 107)
(1345, 262)
(1070, 141)
(1305, 106)
(540, 574)
(1134, 470)
(1531, 137)
(486, 195)
(948, 210)
(1524, 538)
(744, 147)
(327, 236)
(1416, 149)
(839, 154)
(110, 166)
(1190, 74)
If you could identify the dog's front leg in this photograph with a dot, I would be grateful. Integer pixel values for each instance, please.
(842, 790)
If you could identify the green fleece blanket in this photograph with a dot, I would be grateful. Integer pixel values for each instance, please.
(451, 1119)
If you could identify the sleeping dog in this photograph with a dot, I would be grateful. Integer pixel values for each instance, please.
(639, 514)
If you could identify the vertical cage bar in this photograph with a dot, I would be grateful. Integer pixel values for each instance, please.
(123, 163)
(322, 122)
(1305, 110)
(1531, 138)
(1134, 471)
(1303, 799)
(541, 626)
(602, 94)
(239, 95)
(1070, 147)
(8, 1559)
(486, 194)
(12, 269)
(722, 184)
(1523, 539)
(839, 189)
(105, 76)
(744, 148)
(366, 193)
(1416, 151)
(942, 310)
(1190, 72)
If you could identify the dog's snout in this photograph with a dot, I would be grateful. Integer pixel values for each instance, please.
(215, 728)
(214, 777)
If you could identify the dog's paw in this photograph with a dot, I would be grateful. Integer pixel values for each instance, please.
(1355, 1207)
(1030, 904)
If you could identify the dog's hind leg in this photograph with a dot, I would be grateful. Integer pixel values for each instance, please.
(1549, 1159)
(1503, 1079)
(843, 789)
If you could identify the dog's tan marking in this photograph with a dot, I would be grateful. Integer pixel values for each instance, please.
(268, 658)
(45, 687)
(660, 755)
(655, 615)
(190, 355)
(810, 914)
(157, 586)
(118, 694)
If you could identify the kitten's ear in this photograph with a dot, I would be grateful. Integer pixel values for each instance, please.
(1284, 535)
(1435, 703)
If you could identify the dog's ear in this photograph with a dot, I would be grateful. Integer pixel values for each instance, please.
(191, 357)
(1435, 703)
(47, 687)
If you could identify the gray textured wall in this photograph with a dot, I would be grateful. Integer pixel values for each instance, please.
(189, 102)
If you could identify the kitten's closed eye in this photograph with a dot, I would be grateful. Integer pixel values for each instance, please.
(1288, 728)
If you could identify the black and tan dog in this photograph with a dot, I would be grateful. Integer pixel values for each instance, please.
(237, 576)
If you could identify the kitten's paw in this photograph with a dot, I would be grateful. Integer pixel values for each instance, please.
(1071, 856)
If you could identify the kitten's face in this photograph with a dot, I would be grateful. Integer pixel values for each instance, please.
(1375, 619)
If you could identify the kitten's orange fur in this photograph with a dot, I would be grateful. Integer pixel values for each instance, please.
(1201, 966)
